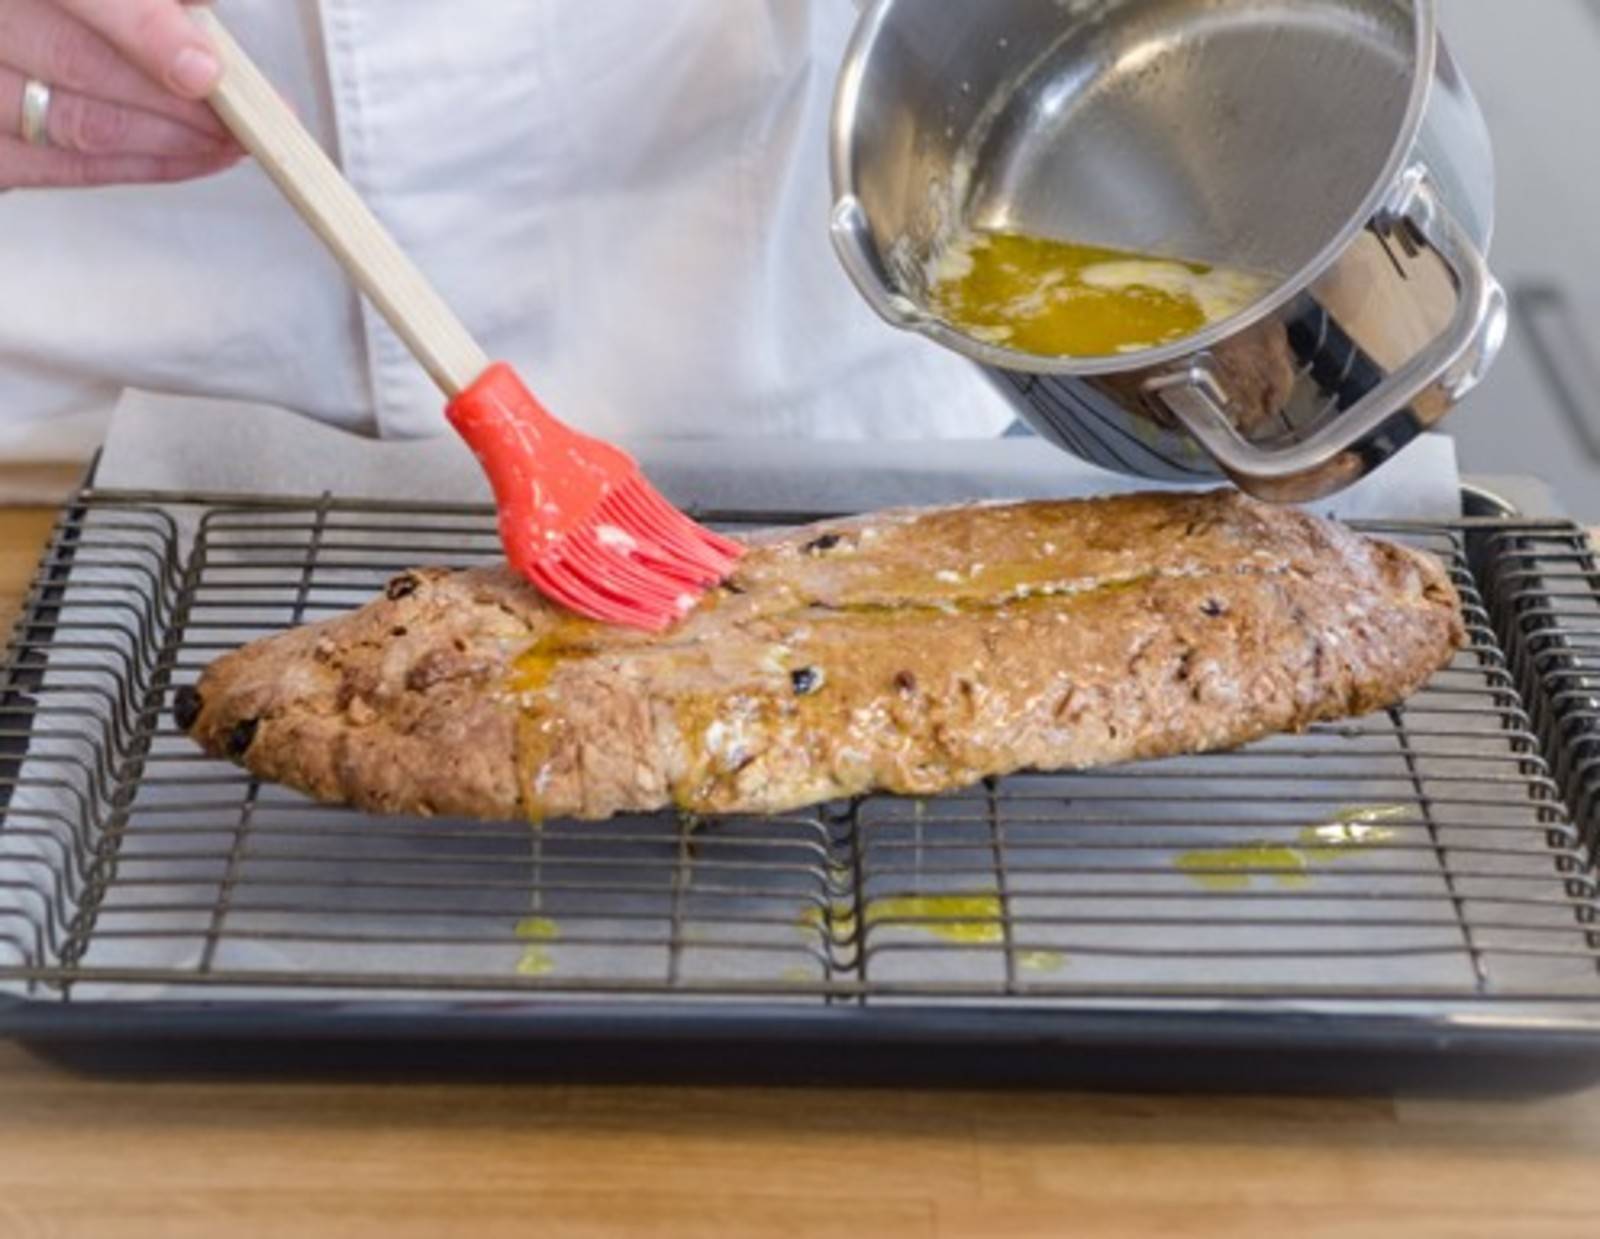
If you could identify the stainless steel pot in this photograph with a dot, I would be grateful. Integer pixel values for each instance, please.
(1329, 143)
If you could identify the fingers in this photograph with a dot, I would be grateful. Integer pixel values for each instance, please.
(41, 39)
(126, 79)
(156, 36)
(94, 127)
(37, 167)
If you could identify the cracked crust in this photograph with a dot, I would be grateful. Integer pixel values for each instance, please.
(913, 651)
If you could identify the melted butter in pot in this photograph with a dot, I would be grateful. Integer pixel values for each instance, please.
(1061, 299)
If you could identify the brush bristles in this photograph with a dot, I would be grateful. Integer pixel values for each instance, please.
(637, 561)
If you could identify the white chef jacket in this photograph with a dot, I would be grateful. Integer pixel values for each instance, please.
(627, 199)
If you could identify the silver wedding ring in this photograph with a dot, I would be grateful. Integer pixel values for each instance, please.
(36, 113)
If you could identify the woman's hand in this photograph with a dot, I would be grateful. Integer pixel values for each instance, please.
(125, 80)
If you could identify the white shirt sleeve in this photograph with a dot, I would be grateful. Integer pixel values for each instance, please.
(632, 208)
(209, 287)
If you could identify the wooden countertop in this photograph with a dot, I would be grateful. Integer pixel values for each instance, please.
(22, 536)
(125, 1156)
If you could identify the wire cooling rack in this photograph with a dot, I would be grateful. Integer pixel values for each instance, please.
(1423, 863)
(1545, 587)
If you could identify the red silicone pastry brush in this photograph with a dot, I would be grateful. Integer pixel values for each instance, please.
(577, 517)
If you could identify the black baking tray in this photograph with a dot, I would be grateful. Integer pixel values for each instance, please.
(1302, 1036)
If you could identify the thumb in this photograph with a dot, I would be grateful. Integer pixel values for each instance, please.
(158, 37)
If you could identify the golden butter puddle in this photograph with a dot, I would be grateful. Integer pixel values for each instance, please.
(1349, 833)
(536, 960)
(1061, 299)
(838, 919)
(967, 918)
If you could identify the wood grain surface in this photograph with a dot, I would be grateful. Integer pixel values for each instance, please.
(22, 536)
(41, 485)
(91, 1156)
(86, 1155)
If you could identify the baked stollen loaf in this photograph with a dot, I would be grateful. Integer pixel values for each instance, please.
(913, 651)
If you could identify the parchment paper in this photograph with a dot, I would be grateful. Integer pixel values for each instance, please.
(176, 443)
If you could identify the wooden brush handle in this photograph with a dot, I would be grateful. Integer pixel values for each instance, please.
(269, 130)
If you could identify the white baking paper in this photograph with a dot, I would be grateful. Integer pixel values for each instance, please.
(184, 444)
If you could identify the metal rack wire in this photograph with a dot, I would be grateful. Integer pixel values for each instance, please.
(1424, 855)
(1544, 586)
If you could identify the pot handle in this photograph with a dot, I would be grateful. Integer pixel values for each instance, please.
(1199, 399)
